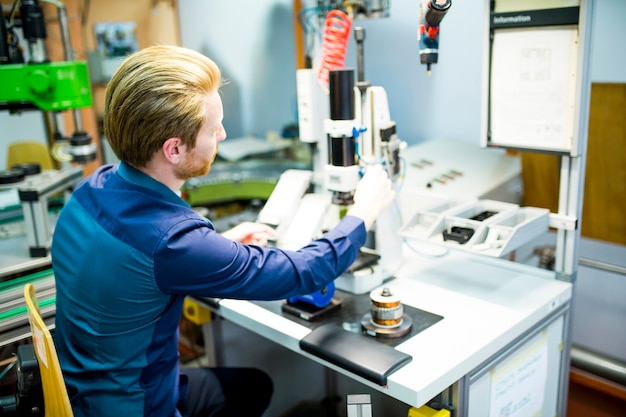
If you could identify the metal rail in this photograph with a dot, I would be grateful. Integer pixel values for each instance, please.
(604, 366)
(602, 265)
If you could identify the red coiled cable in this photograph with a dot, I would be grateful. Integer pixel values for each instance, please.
(334, 45)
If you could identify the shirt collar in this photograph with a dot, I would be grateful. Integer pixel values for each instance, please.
(134, 176)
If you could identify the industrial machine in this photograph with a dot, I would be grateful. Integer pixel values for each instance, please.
(32, 82)
(349, 129)
(360, 132)
(35, 83)
(28, 398)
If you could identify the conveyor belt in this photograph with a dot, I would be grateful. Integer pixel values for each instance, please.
(13, 314)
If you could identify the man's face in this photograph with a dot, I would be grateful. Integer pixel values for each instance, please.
(199, 159)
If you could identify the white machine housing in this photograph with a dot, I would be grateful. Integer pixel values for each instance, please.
(309, 214)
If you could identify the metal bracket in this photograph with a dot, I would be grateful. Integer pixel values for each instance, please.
(563, 222)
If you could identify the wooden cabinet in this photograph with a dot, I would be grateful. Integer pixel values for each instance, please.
(604, 198)
(590, 395)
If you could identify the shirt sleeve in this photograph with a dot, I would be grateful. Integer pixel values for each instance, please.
(193, 259)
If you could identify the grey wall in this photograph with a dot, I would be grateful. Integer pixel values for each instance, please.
(256, 48)
(444, 104)
(253, 44)
(608, 43)
(447, 103)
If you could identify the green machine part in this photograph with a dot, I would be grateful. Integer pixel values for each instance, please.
(51, 86)
(12, 305)
(248, 179)
(222, 192)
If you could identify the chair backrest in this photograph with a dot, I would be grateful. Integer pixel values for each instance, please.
(56, 400)
(29, 151)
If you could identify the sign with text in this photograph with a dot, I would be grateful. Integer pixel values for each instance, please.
(518, 384)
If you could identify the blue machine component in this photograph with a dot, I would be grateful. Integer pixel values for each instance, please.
(319, 298)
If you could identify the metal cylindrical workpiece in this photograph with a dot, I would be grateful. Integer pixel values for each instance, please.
(386, 318)
(386, 309)
(341, 88)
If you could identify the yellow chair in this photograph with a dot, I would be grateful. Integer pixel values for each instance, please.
(24, 152)
(56, 400)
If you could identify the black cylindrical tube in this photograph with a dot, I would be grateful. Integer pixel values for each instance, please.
(5, 58)
(341, 89)
(33, 23)
(342, 151)
(436, 12)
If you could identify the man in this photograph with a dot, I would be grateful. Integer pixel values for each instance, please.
(127, 249)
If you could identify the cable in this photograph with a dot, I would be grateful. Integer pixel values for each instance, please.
(8, 368)
(334, 45)
(13, 10)
(304, 18)
(309, 19)
(402, 176)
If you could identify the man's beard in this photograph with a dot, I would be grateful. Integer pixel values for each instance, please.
(196, 165)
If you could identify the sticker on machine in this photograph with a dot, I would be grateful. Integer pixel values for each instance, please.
(38, 341)
(518, 384)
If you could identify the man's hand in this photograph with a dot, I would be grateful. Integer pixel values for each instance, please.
(250, 233)
(372, 195)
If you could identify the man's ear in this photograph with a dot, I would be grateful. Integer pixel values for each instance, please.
(173, 150)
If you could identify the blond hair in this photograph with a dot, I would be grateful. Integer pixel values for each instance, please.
(156, 94)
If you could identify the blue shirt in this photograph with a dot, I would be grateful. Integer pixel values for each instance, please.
(126, 250)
